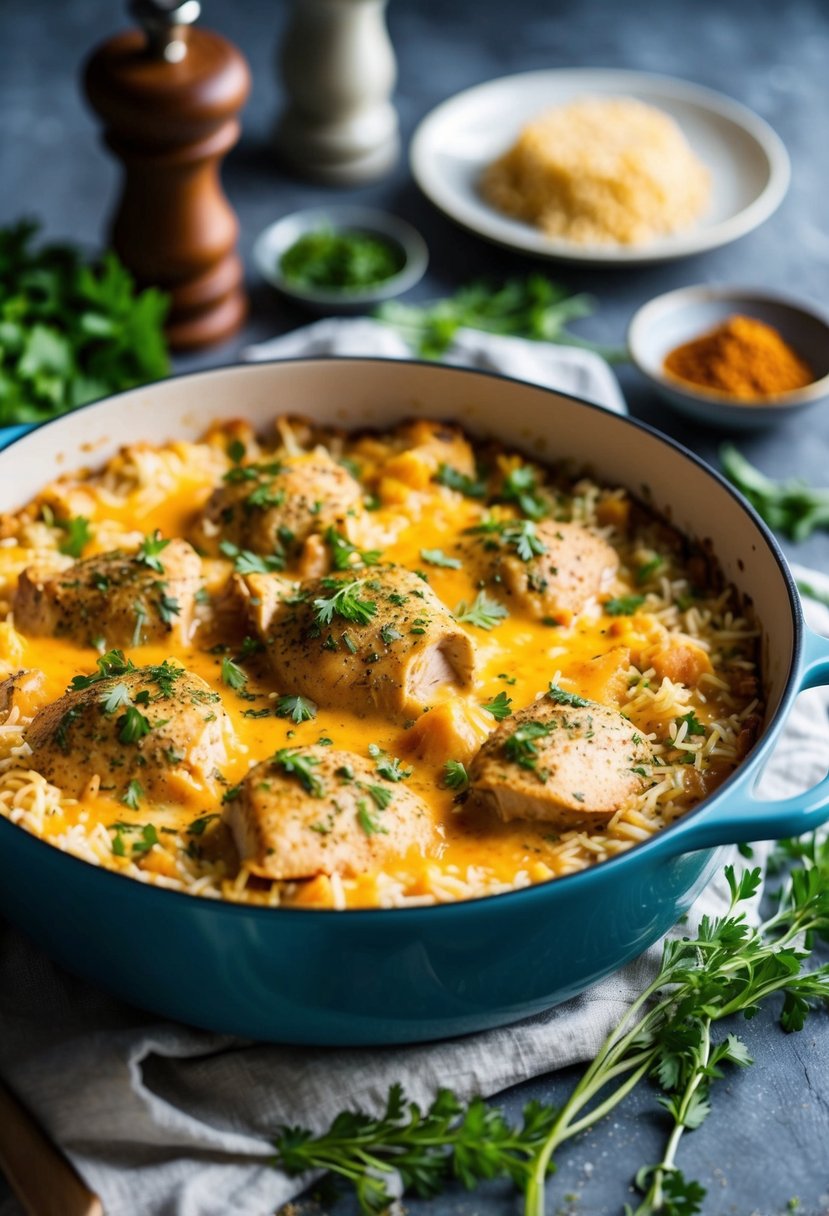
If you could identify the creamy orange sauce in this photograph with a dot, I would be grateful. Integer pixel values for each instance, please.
(519, 657)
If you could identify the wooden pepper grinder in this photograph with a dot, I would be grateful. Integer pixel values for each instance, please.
(169, 95)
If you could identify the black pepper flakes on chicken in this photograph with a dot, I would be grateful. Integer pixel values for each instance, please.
(160, 726)
(318, 810)
(564, 764)
(379, 643)
(271, 508)
(124, 599)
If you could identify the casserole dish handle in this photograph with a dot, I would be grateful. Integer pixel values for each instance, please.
(740, 815)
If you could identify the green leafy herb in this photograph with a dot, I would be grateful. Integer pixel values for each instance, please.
(792, 507)
(133, 795)
(113, 663)
(693, 723)
(302, 767)
(520, 746)
(232, 675)
(132, 725)
(236, 451)
(368, 820)
(470, 487)
(559, 697)
(455, 776)
(247, 562)
(499, 706)
(344, 602)
(436, 557)
(649, 568)
(390, 768)
(78, 531)
(149, 550)
(624, 605)
(299, 709)
(813, 593)
(149, 837)
(168, 607)
(667, 1034)
(140, 620)
(532, 307)
(521, 487)
(344, 260)
(197, 827)
(345, 556)
(70, 330)
(115, 698)
(484, 612)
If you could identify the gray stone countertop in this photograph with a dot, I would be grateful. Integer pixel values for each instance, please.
(766, 1145)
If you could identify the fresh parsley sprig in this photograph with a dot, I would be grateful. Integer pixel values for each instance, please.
(484, 612)
(344, 601)
(791, 507)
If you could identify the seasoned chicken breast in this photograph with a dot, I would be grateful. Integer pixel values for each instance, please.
(561, 764)
(273, 507)
(158, 726)
(126, 599)
(545, 569)
(317, 810)
(380, 643)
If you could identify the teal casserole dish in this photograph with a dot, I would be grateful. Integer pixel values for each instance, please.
(410, 974)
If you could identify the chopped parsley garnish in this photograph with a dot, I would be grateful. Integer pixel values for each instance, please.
(302, 767)
(149, 550)
(645, 571)
(379, 794)
(560, 697)
(299, 709)
(455, 776)
(695, 727)
(78, 535)
(133, 726)
(115, 698)
(168, 607)
(368, 820)
(624, 605)
(165, 674)
(389, 634)
(436, 557)
(236, 451)
(471, 487)
(484, 612)
(388, 767)
(196, 828)
(344, 602)
(149, 837)
(133, 795)
(521, 487)
(520, 747)
(499, 706)
(113, 663)
(253, 472)
(264, 497)
(522, 537)
(247, 562)
(232, 675)
(343, 551)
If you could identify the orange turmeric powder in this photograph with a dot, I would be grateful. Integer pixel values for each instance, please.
(744, 358)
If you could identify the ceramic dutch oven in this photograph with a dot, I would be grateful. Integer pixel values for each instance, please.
(404, 975)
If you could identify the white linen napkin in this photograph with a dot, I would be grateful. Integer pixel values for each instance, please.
(566, 368)
(164, 1120)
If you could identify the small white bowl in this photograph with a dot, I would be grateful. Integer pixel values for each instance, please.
(681, 316)
(277, 239)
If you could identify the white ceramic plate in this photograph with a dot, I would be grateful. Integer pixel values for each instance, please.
(748, 162)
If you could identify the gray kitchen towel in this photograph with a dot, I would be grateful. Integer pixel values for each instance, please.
(164, 1120)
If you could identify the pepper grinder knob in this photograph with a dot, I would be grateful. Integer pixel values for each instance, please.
(169, 94)
(166, 25)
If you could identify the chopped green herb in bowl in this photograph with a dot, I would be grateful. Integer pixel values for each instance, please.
(340, 259)
(345, 260)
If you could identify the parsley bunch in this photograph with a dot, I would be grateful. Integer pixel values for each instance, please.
(791, 507)
(71, 331)
(668, 1035)
(533, 307)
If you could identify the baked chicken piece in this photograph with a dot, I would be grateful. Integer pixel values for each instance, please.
(545, 569)
(126, 599)
(317, 810)
(274, 506)
(159, 726)
(378, 642)
(562, 764)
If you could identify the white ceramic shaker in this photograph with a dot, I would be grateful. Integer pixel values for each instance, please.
(338, 67)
